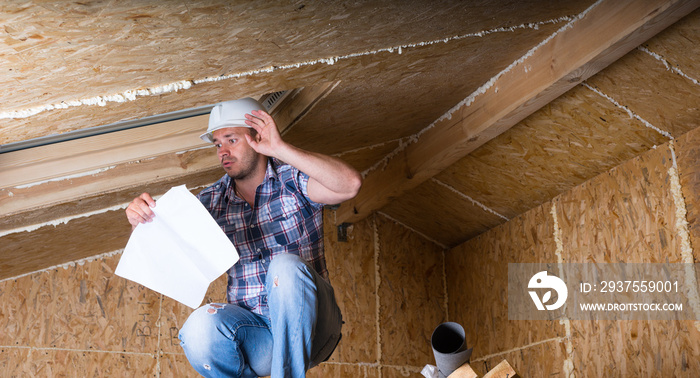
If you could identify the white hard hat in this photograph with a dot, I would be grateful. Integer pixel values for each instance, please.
(230, 114)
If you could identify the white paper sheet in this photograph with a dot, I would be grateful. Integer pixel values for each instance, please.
(180, 252)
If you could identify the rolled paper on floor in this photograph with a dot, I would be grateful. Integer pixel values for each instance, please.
(449, 347)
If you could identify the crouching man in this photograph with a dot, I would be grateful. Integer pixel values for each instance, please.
(281, 317)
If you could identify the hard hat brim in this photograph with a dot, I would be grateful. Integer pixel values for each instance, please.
(208, 137)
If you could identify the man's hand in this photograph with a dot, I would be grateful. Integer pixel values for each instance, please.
(331, 180)
(268, 141)
(139, 210)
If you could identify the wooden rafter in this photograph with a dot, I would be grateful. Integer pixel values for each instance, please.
(603, 34)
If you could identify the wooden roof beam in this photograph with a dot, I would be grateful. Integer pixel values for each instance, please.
(99, 166)
(601, 35)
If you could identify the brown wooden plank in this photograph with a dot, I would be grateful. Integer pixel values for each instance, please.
(50, 245)
(539, 360)
(114, 162)
(502, 370)
(464, 371)
(82, 155)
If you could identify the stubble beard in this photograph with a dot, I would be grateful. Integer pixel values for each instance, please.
(247, 164)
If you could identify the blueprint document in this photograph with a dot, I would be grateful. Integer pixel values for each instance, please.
(180, 252)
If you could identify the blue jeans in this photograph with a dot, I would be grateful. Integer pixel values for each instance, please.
(225, 340)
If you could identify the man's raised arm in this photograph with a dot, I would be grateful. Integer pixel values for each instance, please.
(331, 180)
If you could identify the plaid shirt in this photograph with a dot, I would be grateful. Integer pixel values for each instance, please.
(284, 220)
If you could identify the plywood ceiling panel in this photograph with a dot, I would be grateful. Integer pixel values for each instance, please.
(660, 96)
(567, 142)
(389, 96)
(441, 213)
(374, 80)
(680, 45)
(364, 158)
(116, 46)
(69, 51)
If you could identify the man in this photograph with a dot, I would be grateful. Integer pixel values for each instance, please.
(281, 317)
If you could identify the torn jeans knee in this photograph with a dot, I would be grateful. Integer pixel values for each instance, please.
(222, 339)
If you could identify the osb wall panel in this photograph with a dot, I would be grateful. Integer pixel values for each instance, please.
(572, 139)
(624, 215)
(635, 348)
(344, 371)
(477, 281)
(688, 157)
(83, 307)
(351, 269)
(63, 363)
(627, 215)
(402, 372)
(176, 365)
(442, 213)
(411, 294)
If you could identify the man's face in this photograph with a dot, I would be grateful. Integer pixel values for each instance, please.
(237, 158)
